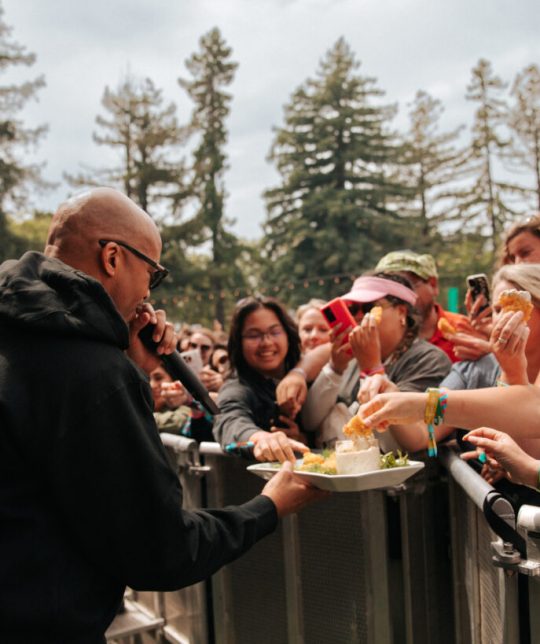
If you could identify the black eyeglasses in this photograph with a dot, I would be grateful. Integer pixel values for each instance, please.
(160, 272)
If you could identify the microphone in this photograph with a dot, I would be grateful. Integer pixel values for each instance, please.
(176, 367)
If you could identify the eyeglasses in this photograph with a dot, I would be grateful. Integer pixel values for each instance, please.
(256, 337)
(365, 307)
(202, 347)
(160, 272)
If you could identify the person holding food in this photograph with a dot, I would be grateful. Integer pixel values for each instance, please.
(263, 346)
(389, 348)
(515, 356)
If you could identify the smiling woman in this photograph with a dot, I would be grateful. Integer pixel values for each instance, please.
(263, 345)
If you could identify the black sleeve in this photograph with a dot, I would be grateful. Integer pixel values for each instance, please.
(118, 495)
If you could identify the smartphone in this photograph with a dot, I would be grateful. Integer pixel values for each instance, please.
(193, 359)
(336, 312)
(479, 285)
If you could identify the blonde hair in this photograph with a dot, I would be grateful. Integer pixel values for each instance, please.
(530, 225)
(523, 277)
(304, 308)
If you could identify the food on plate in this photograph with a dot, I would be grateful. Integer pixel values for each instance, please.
(376, 313)
(514, 300)
(390, 460)
(445, 327)
(324, 463)
(361, 452)
(358, 456)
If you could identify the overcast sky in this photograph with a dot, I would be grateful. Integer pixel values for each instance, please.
(82, 46)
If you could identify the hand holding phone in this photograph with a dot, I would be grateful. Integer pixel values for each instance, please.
(337, 314)
(479, 285)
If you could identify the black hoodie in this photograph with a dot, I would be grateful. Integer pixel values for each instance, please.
(88, 501)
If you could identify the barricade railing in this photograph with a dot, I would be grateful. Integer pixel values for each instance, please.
(371, 567)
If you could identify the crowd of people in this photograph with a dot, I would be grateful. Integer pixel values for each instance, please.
(290, 381)
(82, 399)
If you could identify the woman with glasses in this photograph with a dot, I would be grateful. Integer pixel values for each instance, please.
(389, 348)
(263, 346)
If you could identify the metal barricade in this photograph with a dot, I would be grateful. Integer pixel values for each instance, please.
(339, 571)
(485, 595)
(371, 567)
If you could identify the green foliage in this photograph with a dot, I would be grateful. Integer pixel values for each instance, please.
(146, 135)
(431, 167)
(211, 72)
(16, 174)
(483, 205)
(333, 211)
(524, 121)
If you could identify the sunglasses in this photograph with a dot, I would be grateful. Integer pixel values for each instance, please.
(364, 307)
(160, 272)
(222, 360)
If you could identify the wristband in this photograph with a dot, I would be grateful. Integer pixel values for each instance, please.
(371, 372)
(501, 383)
(300, 371)
(433, 415)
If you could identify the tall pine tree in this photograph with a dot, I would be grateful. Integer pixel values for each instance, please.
(524, 120)
(484, 204)
(431, 166)
(332, 212)
(212, 71)
(16, 175)
(147, 135)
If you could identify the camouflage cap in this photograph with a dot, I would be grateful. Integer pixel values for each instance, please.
(406, 261)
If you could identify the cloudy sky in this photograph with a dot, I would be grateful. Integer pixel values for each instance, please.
(406, 44)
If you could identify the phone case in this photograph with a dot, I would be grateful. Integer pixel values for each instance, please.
(478, 284)
(336, 312)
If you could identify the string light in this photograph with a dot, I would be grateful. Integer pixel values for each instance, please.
(305, 283)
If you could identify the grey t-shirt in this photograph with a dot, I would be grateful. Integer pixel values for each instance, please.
(473, 374)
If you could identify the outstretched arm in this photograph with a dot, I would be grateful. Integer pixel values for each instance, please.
(515, 410)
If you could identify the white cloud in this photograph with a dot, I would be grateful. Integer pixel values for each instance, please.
(406, 44)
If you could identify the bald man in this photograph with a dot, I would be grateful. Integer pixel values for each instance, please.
(88, 501)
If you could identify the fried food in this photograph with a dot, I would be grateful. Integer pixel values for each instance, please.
(310, 458)
(319, 463)
(356, 427)
(445, 327)
(513, 300)
(376, 313)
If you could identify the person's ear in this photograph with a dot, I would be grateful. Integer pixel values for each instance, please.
(109, 256)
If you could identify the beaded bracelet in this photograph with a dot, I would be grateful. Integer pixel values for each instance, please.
(433, 415)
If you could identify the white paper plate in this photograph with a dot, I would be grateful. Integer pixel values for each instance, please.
(346, 482)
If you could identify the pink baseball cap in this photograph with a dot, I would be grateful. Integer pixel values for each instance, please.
(368, 289)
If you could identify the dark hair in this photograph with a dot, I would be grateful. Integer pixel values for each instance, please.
(412, 317)
(243, 308)
(530, 225)
(217, 347)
